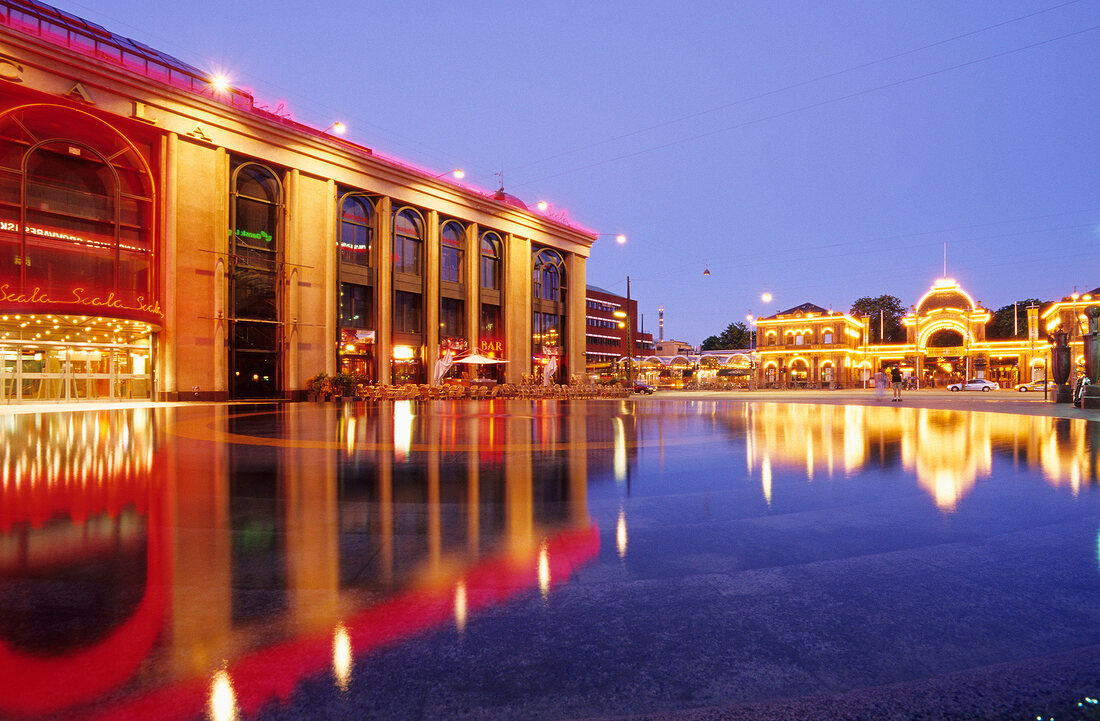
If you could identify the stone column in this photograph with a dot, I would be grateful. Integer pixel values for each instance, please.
(383, 340)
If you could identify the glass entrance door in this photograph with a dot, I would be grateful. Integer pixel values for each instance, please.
(60, 373)
(8, 359)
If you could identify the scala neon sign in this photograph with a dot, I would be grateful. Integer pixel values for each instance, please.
(81, 297)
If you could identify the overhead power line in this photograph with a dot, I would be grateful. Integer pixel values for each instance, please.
(796, 85)
(811, 106)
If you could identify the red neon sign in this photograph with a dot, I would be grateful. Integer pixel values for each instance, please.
(80, 297)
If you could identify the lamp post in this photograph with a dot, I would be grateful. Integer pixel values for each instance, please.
(628, 318)
(629, 336)
(752, 350)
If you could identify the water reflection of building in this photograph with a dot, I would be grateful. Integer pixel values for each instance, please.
(264, 562)
(947, 451)
(77, 504)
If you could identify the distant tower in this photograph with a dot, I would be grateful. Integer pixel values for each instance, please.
(661, 323)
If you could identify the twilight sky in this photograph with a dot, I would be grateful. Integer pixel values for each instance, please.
(819, 151)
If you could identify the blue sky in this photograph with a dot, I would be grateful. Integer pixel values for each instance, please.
(818, 151)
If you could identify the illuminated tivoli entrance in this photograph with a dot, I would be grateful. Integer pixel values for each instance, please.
(71, 358)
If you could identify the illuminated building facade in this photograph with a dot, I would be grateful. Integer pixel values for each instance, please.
(808, 346)
(1068, 316)
(611, 322)
(164, 236)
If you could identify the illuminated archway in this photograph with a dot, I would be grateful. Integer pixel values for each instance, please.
(952, 324)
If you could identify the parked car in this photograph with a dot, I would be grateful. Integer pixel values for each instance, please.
(974, 384)
(642, 387)
(1036, 386)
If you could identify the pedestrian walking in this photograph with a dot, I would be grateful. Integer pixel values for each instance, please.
(895, 381)
(880, 383)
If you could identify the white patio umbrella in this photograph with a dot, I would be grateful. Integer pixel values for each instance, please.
(442, 366)
(549, 369)
(474, 358)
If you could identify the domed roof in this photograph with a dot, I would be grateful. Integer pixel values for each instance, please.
(510, 199)
(945, 294)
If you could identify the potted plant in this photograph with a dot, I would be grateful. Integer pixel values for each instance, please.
(343, 385)
(315, 386)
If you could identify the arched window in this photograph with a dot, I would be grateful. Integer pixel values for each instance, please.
(548, 318)
(451, 247)
(408, 242)
(827, 336)
(75, 213)
(491, 259)
(548, 276)
(356, 229)
(257, 194)
(256, 248)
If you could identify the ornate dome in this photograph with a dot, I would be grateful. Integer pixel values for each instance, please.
(945, 294)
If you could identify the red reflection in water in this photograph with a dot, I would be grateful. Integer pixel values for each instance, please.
(33, 684)
(274, 672)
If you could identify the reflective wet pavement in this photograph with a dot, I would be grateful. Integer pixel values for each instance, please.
(547, 560)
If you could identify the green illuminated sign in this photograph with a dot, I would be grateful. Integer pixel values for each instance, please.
(262, 235)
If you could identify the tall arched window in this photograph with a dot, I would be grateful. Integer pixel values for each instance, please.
(408, 242)
(491, 259)
(549, 276)
(491, 281)
(76, 208)
(256, 248)
(452, 245)
(356, 229)
(452, 301)
(548, 308)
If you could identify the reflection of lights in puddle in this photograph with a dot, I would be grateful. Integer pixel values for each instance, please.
(620, 450)
(402, 428)
(620, 533)
(350, 437)
(766, 478)
(460, 606)
(544, 570)
(341, 657)
(223, 700)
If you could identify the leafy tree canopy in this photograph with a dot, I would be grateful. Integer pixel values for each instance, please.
(1004, 325)
(885, 312)
(735, 336)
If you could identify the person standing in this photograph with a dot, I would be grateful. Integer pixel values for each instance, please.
(880, 384)
(895, 381)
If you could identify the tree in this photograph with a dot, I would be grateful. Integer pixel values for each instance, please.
(1003, 325)
(736, 335)
(885, 312)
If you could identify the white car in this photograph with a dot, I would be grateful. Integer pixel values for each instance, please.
(974, 384)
